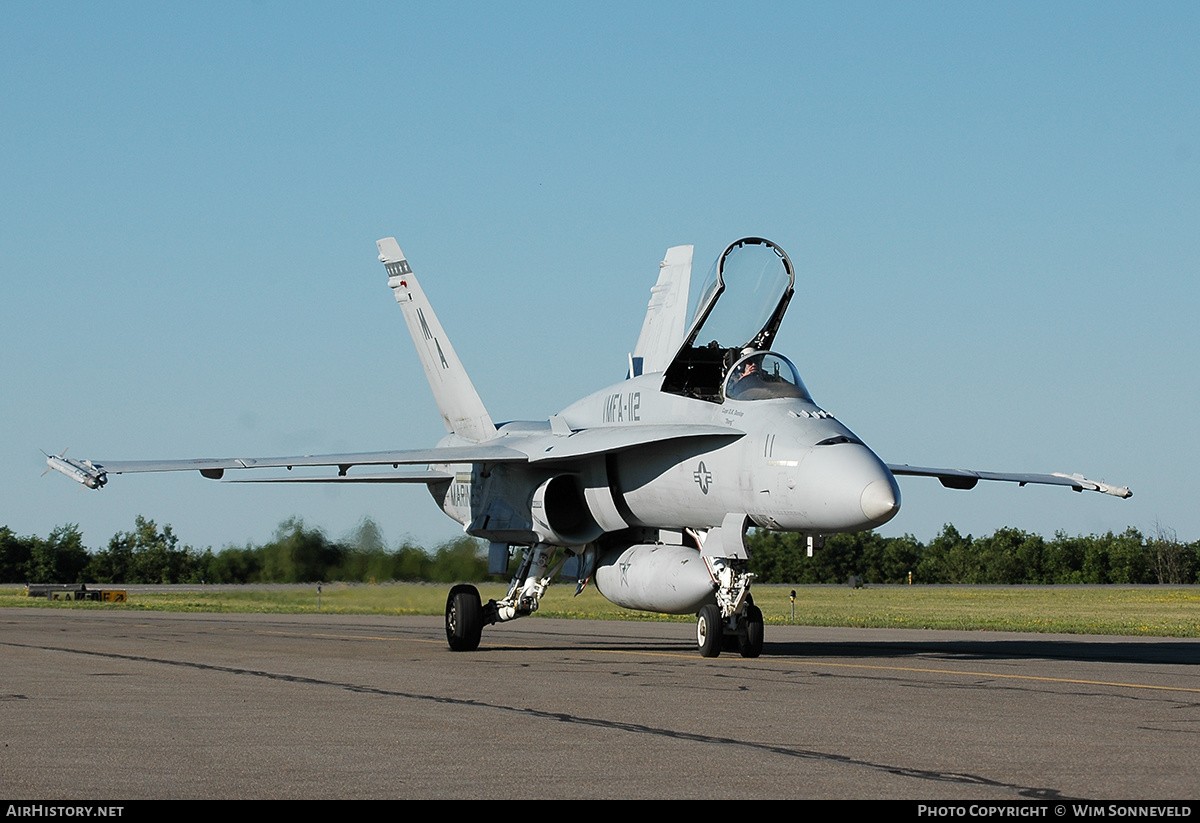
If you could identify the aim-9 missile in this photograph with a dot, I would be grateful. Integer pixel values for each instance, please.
(81, 471)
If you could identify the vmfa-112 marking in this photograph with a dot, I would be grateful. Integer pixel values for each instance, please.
(649, 485)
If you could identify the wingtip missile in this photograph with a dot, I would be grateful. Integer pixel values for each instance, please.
(81, 471)
(1116, 491)
(1098, 485)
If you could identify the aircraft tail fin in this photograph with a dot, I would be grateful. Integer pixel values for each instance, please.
(462, 410)
(666, 314)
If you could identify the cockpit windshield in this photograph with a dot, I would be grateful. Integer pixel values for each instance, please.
(739, 310)
(764, 376)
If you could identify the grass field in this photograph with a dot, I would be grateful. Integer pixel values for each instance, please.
(1165, 611)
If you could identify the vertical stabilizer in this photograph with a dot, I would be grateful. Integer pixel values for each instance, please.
(664, 326)
(462, 410)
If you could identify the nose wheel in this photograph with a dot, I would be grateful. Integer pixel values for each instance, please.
(750, 644)
(744, 632)
(710, 631)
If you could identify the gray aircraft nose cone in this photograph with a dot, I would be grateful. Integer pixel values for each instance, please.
(880, 501)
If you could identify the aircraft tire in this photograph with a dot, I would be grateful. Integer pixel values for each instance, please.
(464, 618)
(709, 631)
(751, 644)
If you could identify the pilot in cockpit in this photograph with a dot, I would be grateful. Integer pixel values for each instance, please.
(746, 376)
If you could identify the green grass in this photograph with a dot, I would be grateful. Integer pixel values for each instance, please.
(1165, 611)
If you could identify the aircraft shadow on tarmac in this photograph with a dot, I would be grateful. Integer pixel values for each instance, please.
(1152, 651)
(1158, 652)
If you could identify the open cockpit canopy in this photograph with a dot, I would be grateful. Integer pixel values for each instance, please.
(741, 305)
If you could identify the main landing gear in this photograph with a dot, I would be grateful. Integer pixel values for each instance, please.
(464, 618)
(466, 614)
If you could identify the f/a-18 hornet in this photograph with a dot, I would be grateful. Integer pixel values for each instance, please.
(650, 484)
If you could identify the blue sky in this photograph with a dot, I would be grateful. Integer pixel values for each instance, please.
(994, 210)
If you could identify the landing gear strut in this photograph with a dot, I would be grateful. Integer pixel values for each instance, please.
(466, 615)
(528, 586)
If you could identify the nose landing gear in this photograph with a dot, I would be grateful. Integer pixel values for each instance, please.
(733, 622)
(713, 631)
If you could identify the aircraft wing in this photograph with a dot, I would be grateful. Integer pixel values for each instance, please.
(967, 479)
(215, 467)
(542, 448)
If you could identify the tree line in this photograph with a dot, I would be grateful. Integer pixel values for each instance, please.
(302, 554)
(1006, 557)
(297, 554)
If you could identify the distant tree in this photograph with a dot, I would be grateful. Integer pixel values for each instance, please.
(847, 555)
(1008, 556)
(367, 537)
(15, 554)
(779, 557)
(946, 559)
(1128, 558)
(1064, 556)
(233, 565)
(115, 563)
(459, 560)
(1030, 557)
(411, 562)
(1171, 561)
(890, 559)
(299, 554)
(60, 558)
(145, 555)
(366, 556)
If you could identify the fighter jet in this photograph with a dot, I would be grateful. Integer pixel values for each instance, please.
(649, 485)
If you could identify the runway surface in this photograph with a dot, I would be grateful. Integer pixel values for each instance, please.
(126, 705)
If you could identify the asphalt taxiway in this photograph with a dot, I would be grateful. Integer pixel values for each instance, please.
(98, 704)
